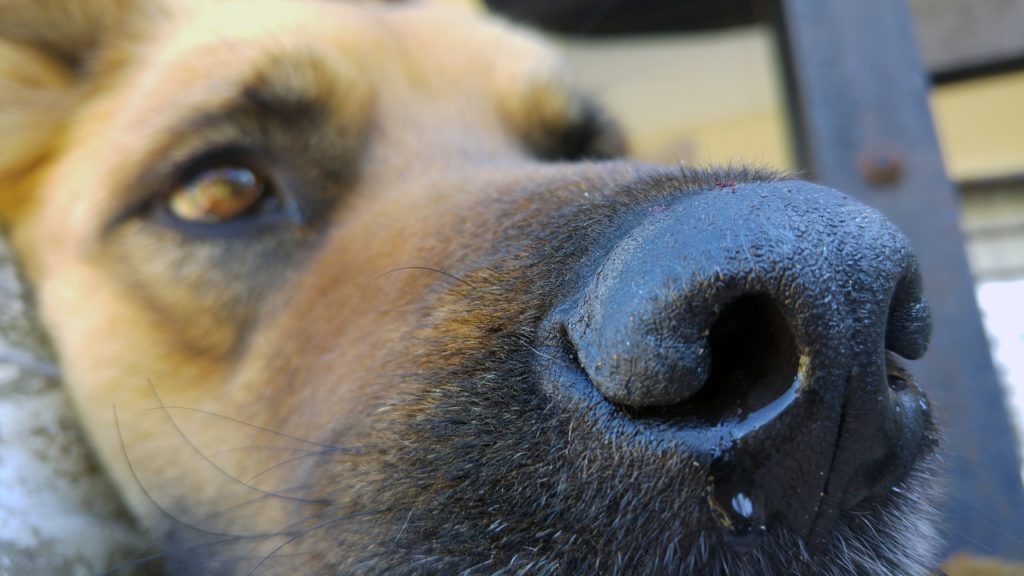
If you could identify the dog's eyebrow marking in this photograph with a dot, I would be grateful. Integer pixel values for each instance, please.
(296, 88)
(289, 86)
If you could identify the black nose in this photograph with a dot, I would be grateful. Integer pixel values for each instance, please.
(759, 326)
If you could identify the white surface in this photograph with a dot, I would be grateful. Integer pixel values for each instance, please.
(58, 515)
(1002, 311)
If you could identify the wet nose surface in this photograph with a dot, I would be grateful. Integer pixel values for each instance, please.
(758, 327)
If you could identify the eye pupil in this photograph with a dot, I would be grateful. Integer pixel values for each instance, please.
(218, 194)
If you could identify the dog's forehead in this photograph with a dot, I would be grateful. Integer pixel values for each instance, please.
(204, 56)
(436, 47)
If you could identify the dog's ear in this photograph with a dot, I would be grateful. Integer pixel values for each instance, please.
(46, 50)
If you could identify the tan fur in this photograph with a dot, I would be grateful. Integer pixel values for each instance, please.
(87, 116)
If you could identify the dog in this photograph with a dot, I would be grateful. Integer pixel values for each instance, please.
(370, 288)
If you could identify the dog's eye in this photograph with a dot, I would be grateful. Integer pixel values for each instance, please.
(585, 132)
(218, 195)
(592, 134)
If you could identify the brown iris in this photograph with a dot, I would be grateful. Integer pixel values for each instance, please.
(218, 194)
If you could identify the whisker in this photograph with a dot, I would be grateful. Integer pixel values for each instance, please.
(254, 500)
(423, 268)
(218, 467)
(291, 460)
(157, 556)
(982, 547)
(987, 523)
(407, 310)
(250, 425)
(257, 447)
(322, 525)
(161, 508)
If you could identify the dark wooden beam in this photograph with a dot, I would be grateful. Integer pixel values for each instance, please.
(859, 97)
(959, 39)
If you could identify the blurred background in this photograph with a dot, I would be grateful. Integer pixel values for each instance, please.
(916, 109)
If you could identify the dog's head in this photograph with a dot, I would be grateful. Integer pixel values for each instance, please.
(360, 288)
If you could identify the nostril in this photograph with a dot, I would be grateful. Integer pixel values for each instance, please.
(754, 356)
(754, 361)
(908, 326)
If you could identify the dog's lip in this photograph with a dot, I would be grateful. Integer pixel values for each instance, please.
(838, 499)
